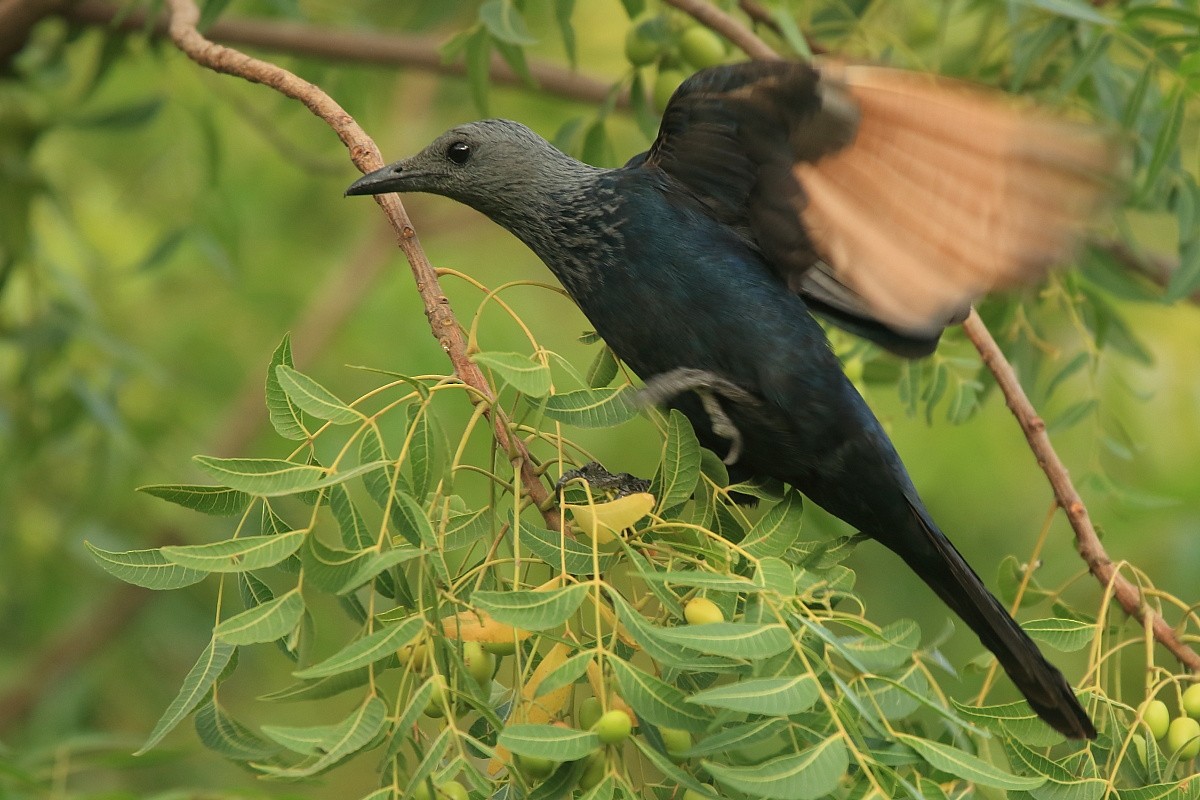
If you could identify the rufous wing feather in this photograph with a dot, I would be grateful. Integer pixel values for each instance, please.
(948, 192)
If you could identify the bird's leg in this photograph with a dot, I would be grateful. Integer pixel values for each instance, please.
(707, 386)
(598, 477)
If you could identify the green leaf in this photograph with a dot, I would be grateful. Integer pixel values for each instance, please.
(665, 652)
(199, 680)
(565, 673)
(1077, 10)
(533, 611)
(738, 737)
(367, 650)
(505, 22)
(964, 765)
(1073, 415)
(336, 741)
(887, 649)
(807, 775)
(1067, 635)
(412, 522)
(343, 571)
(422, 449)
(313, 398)
(775, 532)
(732, 639)
(603, 368)
(263, 623)
(563, 9)
(656, 701)
(680, 463)
(770, 696)
(592, 408)
(524, 373)
(548, 741)
(355, 535)
(271, 477)
(236, 555)
(219, 501)
(146, 568)
(560, 552)
(1167, 140)
(285, 416)
(1186, 278)
(229, 738)
(704, 580)
(478, 49)
(320, 688)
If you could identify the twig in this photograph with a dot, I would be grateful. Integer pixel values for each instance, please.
(360, 47)
(1086, 541)
(184, 16)
(761, 16)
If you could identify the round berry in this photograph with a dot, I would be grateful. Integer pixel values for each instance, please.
(701, 47)
(613, 726)
(1190, 702)
(702, 611)
(589, 713)
(1157, 717)
(1183, 738)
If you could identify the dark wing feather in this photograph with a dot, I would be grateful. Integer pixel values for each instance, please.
(887, 199)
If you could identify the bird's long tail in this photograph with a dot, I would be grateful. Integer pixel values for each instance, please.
(959, 587)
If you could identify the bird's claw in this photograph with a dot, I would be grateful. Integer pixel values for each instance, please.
(708, 386)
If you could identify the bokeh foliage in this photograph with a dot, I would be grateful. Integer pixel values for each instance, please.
(160, 228)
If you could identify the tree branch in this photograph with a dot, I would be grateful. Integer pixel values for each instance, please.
(184, 16)
(1086, 541)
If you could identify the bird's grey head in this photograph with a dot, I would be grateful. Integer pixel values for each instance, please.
(489, 165)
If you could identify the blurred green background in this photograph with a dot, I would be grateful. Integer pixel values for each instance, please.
(165, 227)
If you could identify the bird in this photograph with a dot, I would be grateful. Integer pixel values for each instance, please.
(882, 200)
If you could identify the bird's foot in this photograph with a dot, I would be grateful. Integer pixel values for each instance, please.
(708, 386)
(599, 478)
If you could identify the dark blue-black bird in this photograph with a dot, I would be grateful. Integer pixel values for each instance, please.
(882, 200)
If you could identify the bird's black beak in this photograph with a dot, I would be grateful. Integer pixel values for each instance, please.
(388, 179)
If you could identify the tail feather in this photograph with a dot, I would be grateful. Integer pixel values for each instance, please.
(959, 587)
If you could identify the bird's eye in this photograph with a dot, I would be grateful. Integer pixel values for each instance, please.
(459, 152)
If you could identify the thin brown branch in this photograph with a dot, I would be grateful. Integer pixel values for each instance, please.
(360, 47)
(1086, 541)
(184, 16)
(757, 12)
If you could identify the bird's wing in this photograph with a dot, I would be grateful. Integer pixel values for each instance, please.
(889, 199)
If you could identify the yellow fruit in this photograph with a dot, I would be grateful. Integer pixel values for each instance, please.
(415, 655)
(665, 84)
(676, 741)
(1157, 717)
(701, 47)
(480, 664)
(1190, 702)
(606, 520)
(613, 726)
(701, 611)
(589, 713)
(1183, 738)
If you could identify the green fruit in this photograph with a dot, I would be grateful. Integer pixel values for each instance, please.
(593, 771)
(646, 39)
(676, 741)
(613, 727)
(1190, 703)
(701, 47)
(692, 794)
(422, 791)
(665, 84)
(1157, 717)
(436, 707)
(702, 611)
(589, 713)
(1183, 738)
(506, 648)
(535, 767)
(452, 790)
(479, 663)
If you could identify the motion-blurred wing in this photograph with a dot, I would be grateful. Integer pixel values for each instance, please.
(889, 200)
